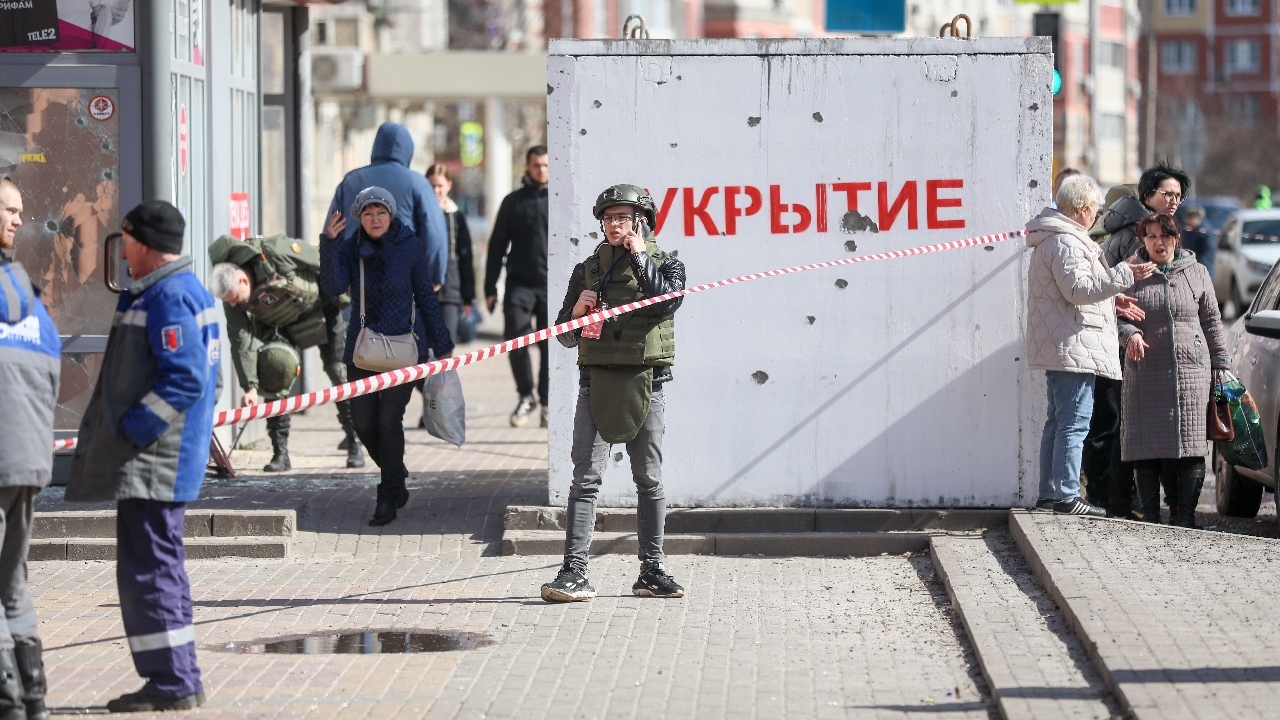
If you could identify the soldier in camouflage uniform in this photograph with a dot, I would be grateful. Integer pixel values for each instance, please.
(269, 292)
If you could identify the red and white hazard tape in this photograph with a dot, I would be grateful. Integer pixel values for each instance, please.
(417, 372)
(1263, 238)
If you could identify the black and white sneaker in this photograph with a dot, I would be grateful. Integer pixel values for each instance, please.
(523, 410)
(1076, 506)
(569, 586)
(655, 582)
(1045, 504)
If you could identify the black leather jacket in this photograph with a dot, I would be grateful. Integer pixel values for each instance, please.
(653, 279)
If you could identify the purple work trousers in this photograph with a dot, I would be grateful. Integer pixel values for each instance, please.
(155, 596)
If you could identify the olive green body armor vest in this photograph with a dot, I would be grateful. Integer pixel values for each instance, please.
(285, 295)
(640, 337)
(280, 301)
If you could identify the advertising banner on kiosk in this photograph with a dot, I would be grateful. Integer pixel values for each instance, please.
(66, 25)
(896, 383)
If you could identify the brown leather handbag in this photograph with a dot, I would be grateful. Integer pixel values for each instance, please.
(1219, 425)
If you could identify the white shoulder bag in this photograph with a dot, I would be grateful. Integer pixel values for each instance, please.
(376, 352)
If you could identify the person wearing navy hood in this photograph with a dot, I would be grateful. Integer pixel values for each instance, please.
(30, 366)
(144, 442)
(384, 265)
(416, 206)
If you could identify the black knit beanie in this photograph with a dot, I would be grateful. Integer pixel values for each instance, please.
(158, 225)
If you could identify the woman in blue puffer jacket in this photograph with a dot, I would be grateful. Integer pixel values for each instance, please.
(396, 282)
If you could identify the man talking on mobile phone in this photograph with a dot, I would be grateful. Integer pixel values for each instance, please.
(624, 365)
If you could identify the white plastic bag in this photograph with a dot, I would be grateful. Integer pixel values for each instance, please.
(444, 412)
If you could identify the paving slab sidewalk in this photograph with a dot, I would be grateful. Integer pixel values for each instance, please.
(1181, 623)
(754, 638)
(1035, 666)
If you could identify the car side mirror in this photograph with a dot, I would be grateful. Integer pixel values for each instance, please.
(1224, 240)
(114, 271)
(1264, 322)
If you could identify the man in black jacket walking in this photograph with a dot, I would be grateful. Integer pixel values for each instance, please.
(519, 238)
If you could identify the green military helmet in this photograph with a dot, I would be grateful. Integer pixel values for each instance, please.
(627, 195)
(278, 366)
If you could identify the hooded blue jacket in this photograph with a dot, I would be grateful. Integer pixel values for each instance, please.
(416, 204)
(396, 283)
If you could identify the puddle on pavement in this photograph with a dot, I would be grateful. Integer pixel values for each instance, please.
(390, 642)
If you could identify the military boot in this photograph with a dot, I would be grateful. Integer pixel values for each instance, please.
(355, 455)
(12, 706)
(29, 656)
(278, 430)
(350, 443)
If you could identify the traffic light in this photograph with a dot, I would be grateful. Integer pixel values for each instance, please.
(1049, 24)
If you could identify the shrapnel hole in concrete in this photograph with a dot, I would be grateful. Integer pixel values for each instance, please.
(383, 642)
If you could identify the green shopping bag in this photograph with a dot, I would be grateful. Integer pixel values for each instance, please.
(1249, 448)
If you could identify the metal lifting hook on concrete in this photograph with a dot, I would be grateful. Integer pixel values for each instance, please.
(954, 27)
(640, 30)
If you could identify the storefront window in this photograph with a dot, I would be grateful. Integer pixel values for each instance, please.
(61, 145)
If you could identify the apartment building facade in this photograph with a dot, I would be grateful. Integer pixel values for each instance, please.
(1214, 87)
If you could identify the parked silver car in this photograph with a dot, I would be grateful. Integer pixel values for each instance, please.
(1248, 245)
(1255, 344)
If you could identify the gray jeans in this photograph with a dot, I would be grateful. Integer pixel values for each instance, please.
(19, 621)
(589, 454)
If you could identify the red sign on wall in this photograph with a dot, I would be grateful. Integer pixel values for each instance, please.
(240, 215)
(182, 138)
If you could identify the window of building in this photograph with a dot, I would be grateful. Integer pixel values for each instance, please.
(1178, 57)
(346, 32)
(1113, 55)
(1243, 7)
(1179, 7)
(1243, 56)
(322, 32)
(1111, 128)
(1243, 109)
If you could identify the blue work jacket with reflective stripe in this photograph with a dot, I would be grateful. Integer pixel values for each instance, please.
(30, 364)
(147, 429)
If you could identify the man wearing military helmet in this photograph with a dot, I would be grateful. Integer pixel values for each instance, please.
(269, 293)
(624, 367)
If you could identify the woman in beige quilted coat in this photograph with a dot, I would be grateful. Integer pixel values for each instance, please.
(1071, 332)
(1167, 371)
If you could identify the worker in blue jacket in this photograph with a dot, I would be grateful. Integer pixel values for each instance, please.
(30, 366)
(144, 442)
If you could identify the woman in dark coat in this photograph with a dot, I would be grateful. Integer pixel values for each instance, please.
(1169, 357)
(459, 289)
(396, 282)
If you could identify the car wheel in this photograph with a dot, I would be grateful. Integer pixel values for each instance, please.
(1238, 496)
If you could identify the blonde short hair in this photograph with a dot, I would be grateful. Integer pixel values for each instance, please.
(1077, 193)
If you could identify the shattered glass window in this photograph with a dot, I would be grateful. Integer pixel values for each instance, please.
(61, 146)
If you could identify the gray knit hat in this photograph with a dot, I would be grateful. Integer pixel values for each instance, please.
(373, 196)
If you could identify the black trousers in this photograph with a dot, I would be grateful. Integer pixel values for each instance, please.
(379, 423)
(521, 307)
(1110, 483)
